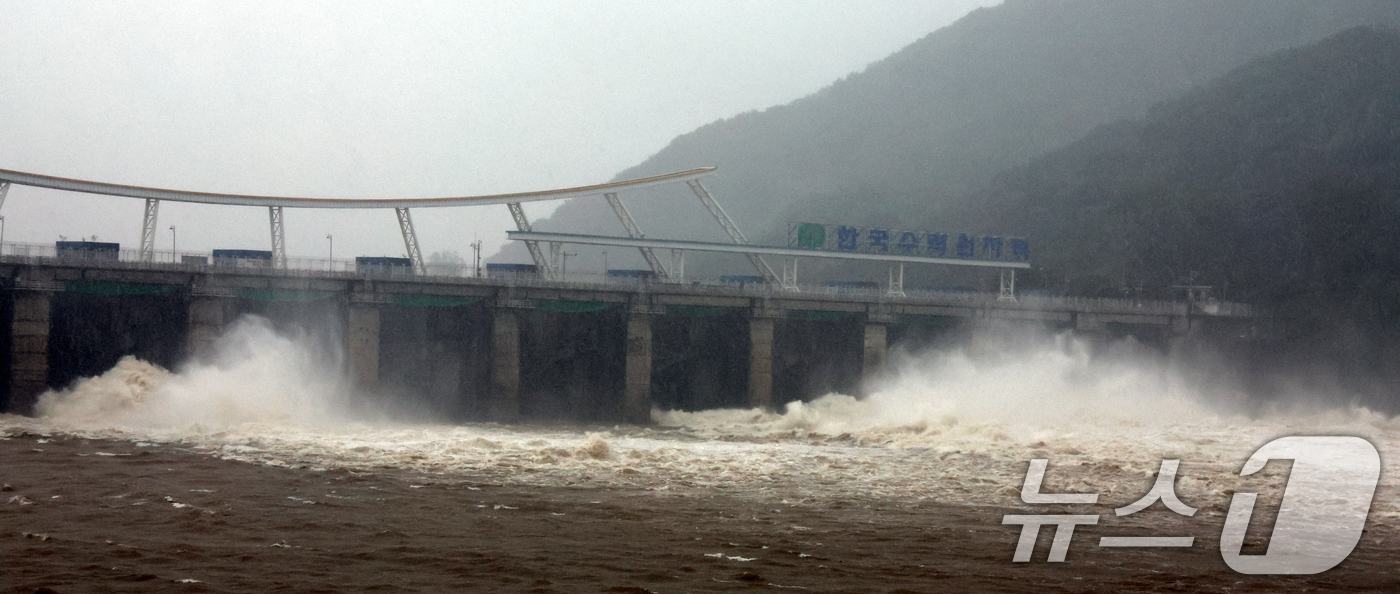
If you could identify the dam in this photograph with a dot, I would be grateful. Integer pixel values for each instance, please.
(530, 341)
(506, 348)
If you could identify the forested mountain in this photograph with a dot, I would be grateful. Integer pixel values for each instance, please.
(1279, 183)
(942, 117)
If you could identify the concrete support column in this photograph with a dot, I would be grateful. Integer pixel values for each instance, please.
(206, 324)
(362, 344)
(875, 348)
(29, 351)
(761, 362)
(504, 401)
(1087, 322)
(637, 394)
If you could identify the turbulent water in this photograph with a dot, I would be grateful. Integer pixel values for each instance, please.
(956, 425)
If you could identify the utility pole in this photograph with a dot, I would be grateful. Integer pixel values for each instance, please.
(476, 247)
(564, 269)
(330, 256)
(174, 249)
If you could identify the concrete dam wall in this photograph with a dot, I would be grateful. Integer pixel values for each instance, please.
(506, 349)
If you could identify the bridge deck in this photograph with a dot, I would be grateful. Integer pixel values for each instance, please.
(53, 274)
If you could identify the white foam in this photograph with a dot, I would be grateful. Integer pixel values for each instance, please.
(255, 376)
(956, 424)
(123, 390)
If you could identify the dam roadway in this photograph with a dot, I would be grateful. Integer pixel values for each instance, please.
(522, 348)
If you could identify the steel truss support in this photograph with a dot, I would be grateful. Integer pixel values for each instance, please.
(279, 237)
(635, 232)
(148, 231)
(4, 189)
(897, 280)
(410, 241)
(677, 265)
(556, 254)
(790, 274)
(1008, 286)
(733, 230)
(523, 224)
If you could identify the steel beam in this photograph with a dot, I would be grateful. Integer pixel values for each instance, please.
(678, 265)
(148, 231)
(710, 246)
(90, 187)
(790, 274)
(410, 241)
(730, 228)
(279, 237)
(1008, 286)
(4, 189)
(897, 280)
(635, 232)
(523, 224)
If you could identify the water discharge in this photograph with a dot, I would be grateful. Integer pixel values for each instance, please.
(255, 376)
(955, 425)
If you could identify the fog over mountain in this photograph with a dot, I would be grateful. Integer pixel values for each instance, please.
(1227, 182)
(940, 119)
(1277, 184)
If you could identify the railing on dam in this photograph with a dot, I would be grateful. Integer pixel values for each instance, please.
(450, 273)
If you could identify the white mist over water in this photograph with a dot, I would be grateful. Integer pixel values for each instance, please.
(254, 376)
(956, 424)
(1020, 382)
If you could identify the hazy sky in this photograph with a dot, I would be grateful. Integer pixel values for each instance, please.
(386, 99)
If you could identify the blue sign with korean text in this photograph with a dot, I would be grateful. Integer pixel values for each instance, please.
(883, 240)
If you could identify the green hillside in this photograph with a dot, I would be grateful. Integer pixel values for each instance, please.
(1268, 179)
(1277, 184)
(946, 114)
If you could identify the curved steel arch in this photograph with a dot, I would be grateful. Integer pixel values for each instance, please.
(91, 187)
(275, 204)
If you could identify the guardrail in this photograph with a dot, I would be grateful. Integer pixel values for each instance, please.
(127, 259)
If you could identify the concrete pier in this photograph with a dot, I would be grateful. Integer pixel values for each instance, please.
(637, 393)
(29, 350)
(362, 344)
(875, 348)
(761, 362)
(503, 404)
(206, 324)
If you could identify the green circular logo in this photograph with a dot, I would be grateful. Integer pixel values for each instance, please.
(811, 236)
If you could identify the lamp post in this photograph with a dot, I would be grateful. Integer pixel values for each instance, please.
(476, 248)
(2, 235)
(605, 262)
(330, 255)
(174, 250)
